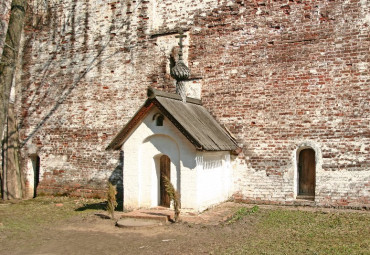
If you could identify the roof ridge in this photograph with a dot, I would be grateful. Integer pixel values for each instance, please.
(153, 93)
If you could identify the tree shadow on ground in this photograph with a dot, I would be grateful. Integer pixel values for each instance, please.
(99, 206)
(92, 206)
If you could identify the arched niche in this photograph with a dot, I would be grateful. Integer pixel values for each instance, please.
(307, 162)
(153, 151)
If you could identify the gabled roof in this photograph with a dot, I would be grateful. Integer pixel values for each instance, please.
(190, 118)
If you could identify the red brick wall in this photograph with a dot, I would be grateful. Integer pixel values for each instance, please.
(78, 90)
(281, 74)
(278, 74)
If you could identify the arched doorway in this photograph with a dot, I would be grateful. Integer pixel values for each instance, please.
(306, 173)
(165, 170)
(36, 173)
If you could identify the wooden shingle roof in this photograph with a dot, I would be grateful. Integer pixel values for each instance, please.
(191, 118)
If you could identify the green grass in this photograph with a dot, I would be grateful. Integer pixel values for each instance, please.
(241, 213)
(24, 216)
(307, 232)
(255, 230)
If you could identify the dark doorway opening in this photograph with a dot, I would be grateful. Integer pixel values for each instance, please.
(307, 174)
(36, 173)
(165, 170)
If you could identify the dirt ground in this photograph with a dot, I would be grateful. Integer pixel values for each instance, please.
(92, 234)
(208, 233)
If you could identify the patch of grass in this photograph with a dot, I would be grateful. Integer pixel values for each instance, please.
(27, 215)
(241, 212)
(281, 231)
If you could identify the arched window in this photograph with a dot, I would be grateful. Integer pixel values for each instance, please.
(158, 119)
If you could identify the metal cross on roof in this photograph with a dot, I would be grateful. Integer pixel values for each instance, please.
(181, 35)
(180, 71)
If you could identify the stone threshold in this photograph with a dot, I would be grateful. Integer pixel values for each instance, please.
(306, 197)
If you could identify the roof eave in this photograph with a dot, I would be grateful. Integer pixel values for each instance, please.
(173, 120)
(152, 100)
(236, 150)
(121, 137)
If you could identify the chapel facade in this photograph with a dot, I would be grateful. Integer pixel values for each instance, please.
(287, 81)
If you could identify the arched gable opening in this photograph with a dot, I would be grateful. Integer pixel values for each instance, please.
(159, 118)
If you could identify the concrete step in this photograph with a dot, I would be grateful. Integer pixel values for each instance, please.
(153, 215)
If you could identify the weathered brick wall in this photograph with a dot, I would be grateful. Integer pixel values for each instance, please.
(86, 67)
(78, 90)
(4, 19)
(278, 74)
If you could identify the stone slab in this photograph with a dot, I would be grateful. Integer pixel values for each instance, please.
(137, 223)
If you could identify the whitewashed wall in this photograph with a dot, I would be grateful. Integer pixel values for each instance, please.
(214, 178)
(142, 151)
(202, 178)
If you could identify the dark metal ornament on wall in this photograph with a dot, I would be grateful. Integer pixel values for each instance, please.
(180, 71)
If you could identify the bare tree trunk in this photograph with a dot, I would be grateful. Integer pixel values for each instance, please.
(10, 173)
(14, 185)
(4, 20)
